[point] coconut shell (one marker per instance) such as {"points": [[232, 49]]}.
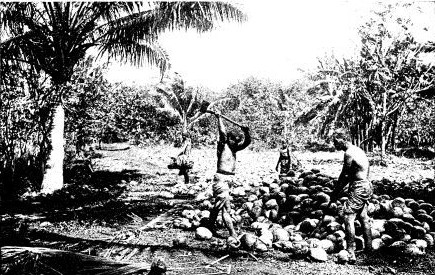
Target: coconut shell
{"points": [[318, 254], [343, 257], [300, 248], [412, 250], [203, 233], [429, 240], [398, 202], [327, 245], [424, 218], [426, 207], [418, 232], [387, 239], [280, 234], [413, 205], [377, 244], [248, 241]]}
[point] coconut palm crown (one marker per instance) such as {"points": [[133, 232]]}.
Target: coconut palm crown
{"points": [[52, 37]]}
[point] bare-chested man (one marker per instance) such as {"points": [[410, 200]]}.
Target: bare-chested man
{"points": [[228, 145], [355, 172]]}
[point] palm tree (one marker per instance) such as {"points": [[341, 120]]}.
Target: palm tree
{"points": [[53, 37]]}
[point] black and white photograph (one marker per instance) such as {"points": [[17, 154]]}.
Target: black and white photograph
{"points": [[209, 138]]}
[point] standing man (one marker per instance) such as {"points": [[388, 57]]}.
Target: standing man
{"points": [[228, 145], [355, 172], [183, 161], [184, 157]]}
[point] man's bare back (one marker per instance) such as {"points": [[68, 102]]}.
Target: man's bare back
{"points": [[356, 164]]}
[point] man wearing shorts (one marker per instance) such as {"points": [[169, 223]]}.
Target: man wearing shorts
{"points": [[355, 172], [229, 144]]}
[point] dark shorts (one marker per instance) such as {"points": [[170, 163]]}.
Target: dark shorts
{"points": [[359, 194]]}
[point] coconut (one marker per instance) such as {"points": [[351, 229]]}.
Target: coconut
{"points": [[413, 205], [300, 248], [421, 244], [406, 238], [260, 246], [339, 235], [398, 202], [252, 198], [420, 211], [295, 237], [313, 242], [258, 203], [429, 240], [238, 192], [343, 257], [375, 233], [332, 238], [203, 233], [333, 226], [307, 225], [387, 239], [259, 226], [271, 204], [280, 234], [397, 212], [377, 244], [248, 241], [398, 247], [266, 237], [426, 206], [233, 243], [326, 245], [424, 218], [418, 232], [318, 254], [188, 214], [412, 250]]}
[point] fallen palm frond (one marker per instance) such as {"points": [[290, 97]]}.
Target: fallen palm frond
{"points": [[41, 260]]}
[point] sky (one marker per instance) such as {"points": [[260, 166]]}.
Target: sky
{"points": [[279, 39]]}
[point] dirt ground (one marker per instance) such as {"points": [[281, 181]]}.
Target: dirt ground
{"points": [[125, 198]]}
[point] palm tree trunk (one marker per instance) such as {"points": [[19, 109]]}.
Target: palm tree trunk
{"points": [[53, 176]]}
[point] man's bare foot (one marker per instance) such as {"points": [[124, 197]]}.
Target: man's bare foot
{"points": [[352, 257]]}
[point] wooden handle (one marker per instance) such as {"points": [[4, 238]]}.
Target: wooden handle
{"points": [[227, 118]]}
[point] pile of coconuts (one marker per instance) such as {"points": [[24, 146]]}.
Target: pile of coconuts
{"points": [[282, 214]]}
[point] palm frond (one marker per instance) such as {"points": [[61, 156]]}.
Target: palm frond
{"points": [[41, 260]]}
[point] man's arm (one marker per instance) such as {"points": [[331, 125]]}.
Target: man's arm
{"points": [[279, 160], [246, 139], [221, 128], [344, 176]]}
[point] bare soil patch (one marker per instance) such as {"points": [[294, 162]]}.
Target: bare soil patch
{"points": [[124, 195]]}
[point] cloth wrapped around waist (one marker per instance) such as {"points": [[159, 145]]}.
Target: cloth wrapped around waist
{"points": [[359, 193], [182, 161]]}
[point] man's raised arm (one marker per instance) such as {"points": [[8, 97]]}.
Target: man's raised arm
{"points": [[246, 139]]}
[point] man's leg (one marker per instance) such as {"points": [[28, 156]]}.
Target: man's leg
{"points": [[367, 231], [185, 173], [226, 217], [349, 222]]}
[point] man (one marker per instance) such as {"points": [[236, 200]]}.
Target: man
{"points": [[355, 172], [228, 145], [183, 161], [285, 163]]}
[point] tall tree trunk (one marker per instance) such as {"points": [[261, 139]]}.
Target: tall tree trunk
{"points": [[383, 123], [53, 176]]}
